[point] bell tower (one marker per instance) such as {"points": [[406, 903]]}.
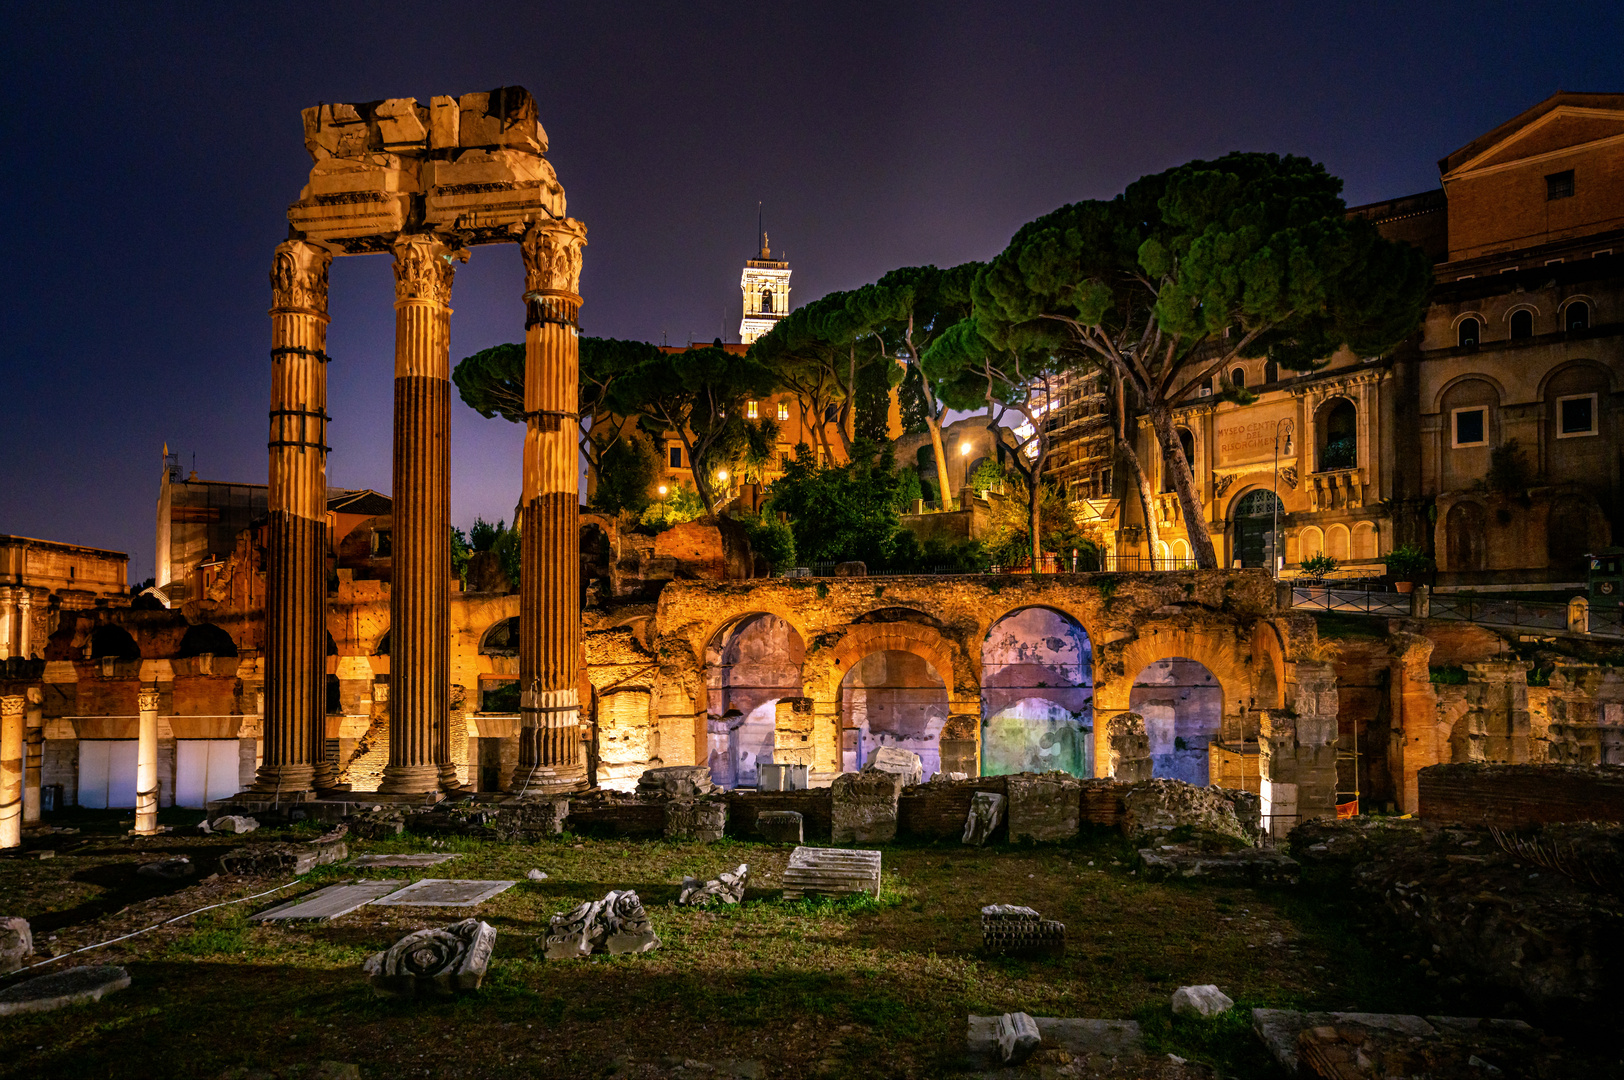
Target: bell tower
{"points": [[765, 284]]}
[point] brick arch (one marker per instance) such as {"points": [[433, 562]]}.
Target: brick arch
{"points": [[861, 639], [700, 642], [1221, 651], [984, 628]]}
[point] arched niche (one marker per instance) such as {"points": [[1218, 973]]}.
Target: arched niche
{"points": [[1183, 706], [501, 638], [115, 642], [751, 664], [896, 699], [205, 639], [1037, 695]]}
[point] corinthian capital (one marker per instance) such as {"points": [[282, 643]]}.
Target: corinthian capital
{"points": [[146, 701], [552, 256], [299, 275], [423, 267]]}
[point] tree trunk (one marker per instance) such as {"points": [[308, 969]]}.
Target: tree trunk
{"points": [[1195, 520], [1147, 498], [1034, 493], [935, 427]]}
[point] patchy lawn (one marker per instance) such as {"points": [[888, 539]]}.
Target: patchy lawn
{"points": [[870, 988]]}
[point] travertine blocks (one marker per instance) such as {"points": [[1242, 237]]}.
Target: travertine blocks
{"points": [[864, 807]]}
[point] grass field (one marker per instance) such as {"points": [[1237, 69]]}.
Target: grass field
{"points": [[859, 987]]}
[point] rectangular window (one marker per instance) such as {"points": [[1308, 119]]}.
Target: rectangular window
{"points": [[783, 411], [676, 457], [750, 409], [1575, 416], [1559, 185], [1471, 427]]}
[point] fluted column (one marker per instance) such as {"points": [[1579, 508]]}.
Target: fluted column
{"points": [[11, 770], [296, 556], [420, 561], [6, 609], [146, 763], [25, 620], [550, 757], [33, 751]]}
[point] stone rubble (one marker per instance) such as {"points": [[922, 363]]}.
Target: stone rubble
{"points": [[437, 962], [1017, 1037], [780, 826], [904, 763], [986, 814], [676, 782], [277, 858], [16, 943], [697, 819], [537, 875], [726, 888], [1044, 807], [863, 807], [233, 823], [1129, 748], [1247, 866], [171, 869], [1158, 806], [1206, 1000], [616, 924]]}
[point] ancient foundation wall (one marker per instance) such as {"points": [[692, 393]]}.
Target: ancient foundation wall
{"points": [[1511, 796]]}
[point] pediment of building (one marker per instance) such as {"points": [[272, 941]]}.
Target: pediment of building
{"points": [[1562, 129]]}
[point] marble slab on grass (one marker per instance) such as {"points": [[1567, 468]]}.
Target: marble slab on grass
{"points": [[361, 861], [46, 992], [445, 892], [1104, 1039], [331, 902]]}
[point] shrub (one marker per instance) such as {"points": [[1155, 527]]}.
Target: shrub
{"points": [[1319, 565]]}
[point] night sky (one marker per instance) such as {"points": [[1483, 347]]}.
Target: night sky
{"points": [[151, 153]]}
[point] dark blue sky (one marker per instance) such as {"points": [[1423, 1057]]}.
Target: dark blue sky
{"points": [[152, 150]]}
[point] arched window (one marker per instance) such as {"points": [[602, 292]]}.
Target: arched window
{"points": [[1364, 540], [1337, 428], [1471, 332], [767, 301], [1271, 372], [1522, 324], [1311, 542], [1576, 316], [206, 638], [1237, 378], [1181, 556], [1187, 443]]}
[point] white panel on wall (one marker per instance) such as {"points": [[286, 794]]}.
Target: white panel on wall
{"points": [[107, 774], [205, 769]]}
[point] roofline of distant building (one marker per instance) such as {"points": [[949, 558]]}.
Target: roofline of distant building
{"points": [[4, 537]]}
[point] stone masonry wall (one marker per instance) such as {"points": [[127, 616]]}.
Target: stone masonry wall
{"points": [[1511, 796]]}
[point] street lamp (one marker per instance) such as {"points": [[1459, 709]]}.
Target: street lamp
{"points": [[662, 502], [1274, 537]]}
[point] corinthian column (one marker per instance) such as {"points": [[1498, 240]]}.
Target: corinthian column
{"points": [[550, 546], [146, 763], [296, 554], [420, 563]]}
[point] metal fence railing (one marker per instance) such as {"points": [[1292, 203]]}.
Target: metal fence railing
{"points": [[1523, 614], [1360, 601]]}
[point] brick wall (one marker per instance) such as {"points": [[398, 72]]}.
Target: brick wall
{"points": [[1509, 796], [814, 806], [938, 810]]}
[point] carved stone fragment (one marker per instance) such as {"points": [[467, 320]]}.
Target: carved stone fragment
{"points": [[986, 813], [436, 962], [864, 807], [16, 943], [1017, 1037], [1130, 748], [726, 888], [616, 924], [1011, 930], [695, 820], [676, 782]]}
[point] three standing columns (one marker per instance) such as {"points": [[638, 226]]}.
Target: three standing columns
{"points": [[550, 758], [296, 572], [420, 563]]}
